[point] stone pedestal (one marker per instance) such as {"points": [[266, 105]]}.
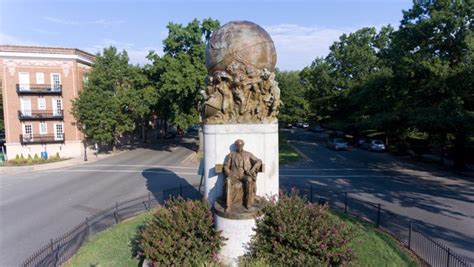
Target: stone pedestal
{"points": [[260, 139], [238, 233]]}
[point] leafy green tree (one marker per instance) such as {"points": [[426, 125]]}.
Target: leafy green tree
{"points": [[432, 59], [295, 106], [115, 97], [179, 74]]}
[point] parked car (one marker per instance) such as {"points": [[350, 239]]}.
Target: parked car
{"points": [[305, 125], [194, 128], [338, 144], [373, 145], [288, 125], [318, 129]]}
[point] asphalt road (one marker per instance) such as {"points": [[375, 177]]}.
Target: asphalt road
{"points": [[440, 202], [35, 207]]}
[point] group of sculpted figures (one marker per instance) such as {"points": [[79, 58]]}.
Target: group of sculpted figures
{"points": [[241, 94]]}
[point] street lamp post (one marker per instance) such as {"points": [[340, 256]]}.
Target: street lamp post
{"points": [[84, 142]]}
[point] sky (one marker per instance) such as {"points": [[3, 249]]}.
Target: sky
{"points": [[301, 30]]}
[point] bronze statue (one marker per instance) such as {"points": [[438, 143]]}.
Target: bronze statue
{"points": [[241, 86], [240, 172]]}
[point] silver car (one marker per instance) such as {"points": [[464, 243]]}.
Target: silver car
{"points": [[374, 145], [338, 144]]}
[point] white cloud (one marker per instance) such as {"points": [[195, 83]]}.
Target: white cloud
{"points": [[137, 54], [13, 40], [61, 21], [297, 46], [101, 22], [45, 32]]}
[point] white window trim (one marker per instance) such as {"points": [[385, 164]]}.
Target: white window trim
{"points": [[24, 86], [38, 81], [25, 136], [42, 100], [55, 107], [45, 127], [55, 132], [25, 110], [52, 81]]}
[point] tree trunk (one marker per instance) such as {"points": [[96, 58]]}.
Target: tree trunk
{"points": [[459, 148]]}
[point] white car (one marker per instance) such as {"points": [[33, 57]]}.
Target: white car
{"points": [[373, 145]]}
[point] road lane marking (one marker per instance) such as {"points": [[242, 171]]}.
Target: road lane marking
{"points": [[300, 152], [193, 173], [125, 171], [134, 165], [344, 176]]}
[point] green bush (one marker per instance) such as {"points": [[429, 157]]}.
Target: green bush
{"points": [[180, 234], [296, 233]]}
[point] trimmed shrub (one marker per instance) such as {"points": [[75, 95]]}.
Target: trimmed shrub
{"points": [[296, 233], [180, 234]]}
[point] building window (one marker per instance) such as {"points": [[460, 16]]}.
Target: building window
{"points": [[43, 128], [39, 78], [58, 132], [41, 103], [24, 81], [56, 81], [57, 106], [27, 132]]}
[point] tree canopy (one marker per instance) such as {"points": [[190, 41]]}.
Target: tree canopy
{"points": [[178, 75], [115, 97]]}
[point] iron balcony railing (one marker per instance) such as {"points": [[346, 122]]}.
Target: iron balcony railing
{"points": [[40, 114], [41, 138], [31, 89]]}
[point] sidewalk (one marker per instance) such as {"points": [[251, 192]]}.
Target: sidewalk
{"points": [[4, 170]]}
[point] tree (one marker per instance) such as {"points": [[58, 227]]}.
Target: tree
{"points": [[340, 85], [179, 74], [432, 59], [115, 97], [295, 106]]}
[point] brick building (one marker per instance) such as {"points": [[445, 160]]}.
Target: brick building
{"points": [[38, 84]]}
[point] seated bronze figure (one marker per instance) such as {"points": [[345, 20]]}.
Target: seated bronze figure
{"points": [[240, 172]]}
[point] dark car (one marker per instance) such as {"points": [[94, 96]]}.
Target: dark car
{"points": [[288, 125]]}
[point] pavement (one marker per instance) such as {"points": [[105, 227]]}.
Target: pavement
{"points": [[439, 201], [6, 170], [36, 206], [39, 205]]}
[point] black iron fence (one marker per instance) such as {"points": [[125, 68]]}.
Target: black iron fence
{"points": [[403, 229], [62, 248]]}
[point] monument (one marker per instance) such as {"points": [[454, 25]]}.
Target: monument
{"points": [[241, 106]]}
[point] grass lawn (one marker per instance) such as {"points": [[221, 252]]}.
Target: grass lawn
{"points": [[374, 247], [113, 246], [287, 154]]}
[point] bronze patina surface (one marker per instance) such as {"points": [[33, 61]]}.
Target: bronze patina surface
{"points": [[241, 86], [240, 185]]}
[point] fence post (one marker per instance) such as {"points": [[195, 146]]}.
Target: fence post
{"points": [[116, 213], [345, 202], [51, 248], [87, 228], [449, 257], [409, 234], [378, 215], [311, 192], [149, 200]]}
